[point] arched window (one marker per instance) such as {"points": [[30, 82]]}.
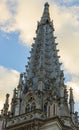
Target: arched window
{"points": [[45, 107], [33, 106], [54, 109], [48, 111], [27, 108]]}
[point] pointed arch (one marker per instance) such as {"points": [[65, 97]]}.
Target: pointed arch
{"points": [[27, 109], [33, 106], [45, 107]]}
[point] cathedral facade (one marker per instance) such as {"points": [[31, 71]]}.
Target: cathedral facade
{"points": [[40, 101]]}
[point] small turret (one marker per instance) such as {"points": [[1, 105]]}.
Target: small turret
{"points": [[20, 87], [71, 102], [20, 81], [13, 103], [6, 105], [16, 101]]}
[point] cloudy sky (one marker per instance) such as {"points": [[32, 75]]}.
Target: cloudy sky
{"points": [[18, 22]]}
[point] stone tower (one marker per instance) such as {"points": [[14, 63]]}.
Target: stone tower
{"points": [[40, 101]]}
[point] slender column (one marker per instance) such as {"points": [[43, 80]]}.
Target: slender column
{"points": [[6, 105], [71, 102]]}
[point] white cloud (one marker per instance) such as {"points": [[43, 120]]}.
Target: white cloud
{"points": [[4, 12], [8, 81], [67, 30], [28, 13], [25, 20], [66, 2]]}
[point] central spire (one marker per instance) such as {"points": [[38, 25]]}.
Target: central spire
{"points": [[43, 71]]}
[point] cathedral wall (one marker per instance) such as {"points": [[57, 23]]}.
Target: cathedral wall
{"points": [[17, 110], [1, 124], [51, 126]]}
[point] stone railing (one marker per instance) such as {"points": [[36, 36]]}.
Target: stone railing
{"points": [[25, 117]]}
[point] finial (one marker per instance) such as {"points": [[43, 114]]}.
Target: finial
{"points": [[46, 8], [71, 94], [7, 98], [14, 94], [46, 15], [21, 75], [20, 80], [7, 95], [46, 4]]}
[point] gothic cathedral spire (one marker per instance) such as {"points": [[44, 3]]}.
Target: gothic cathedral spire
{"points": [[41, 96]]}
